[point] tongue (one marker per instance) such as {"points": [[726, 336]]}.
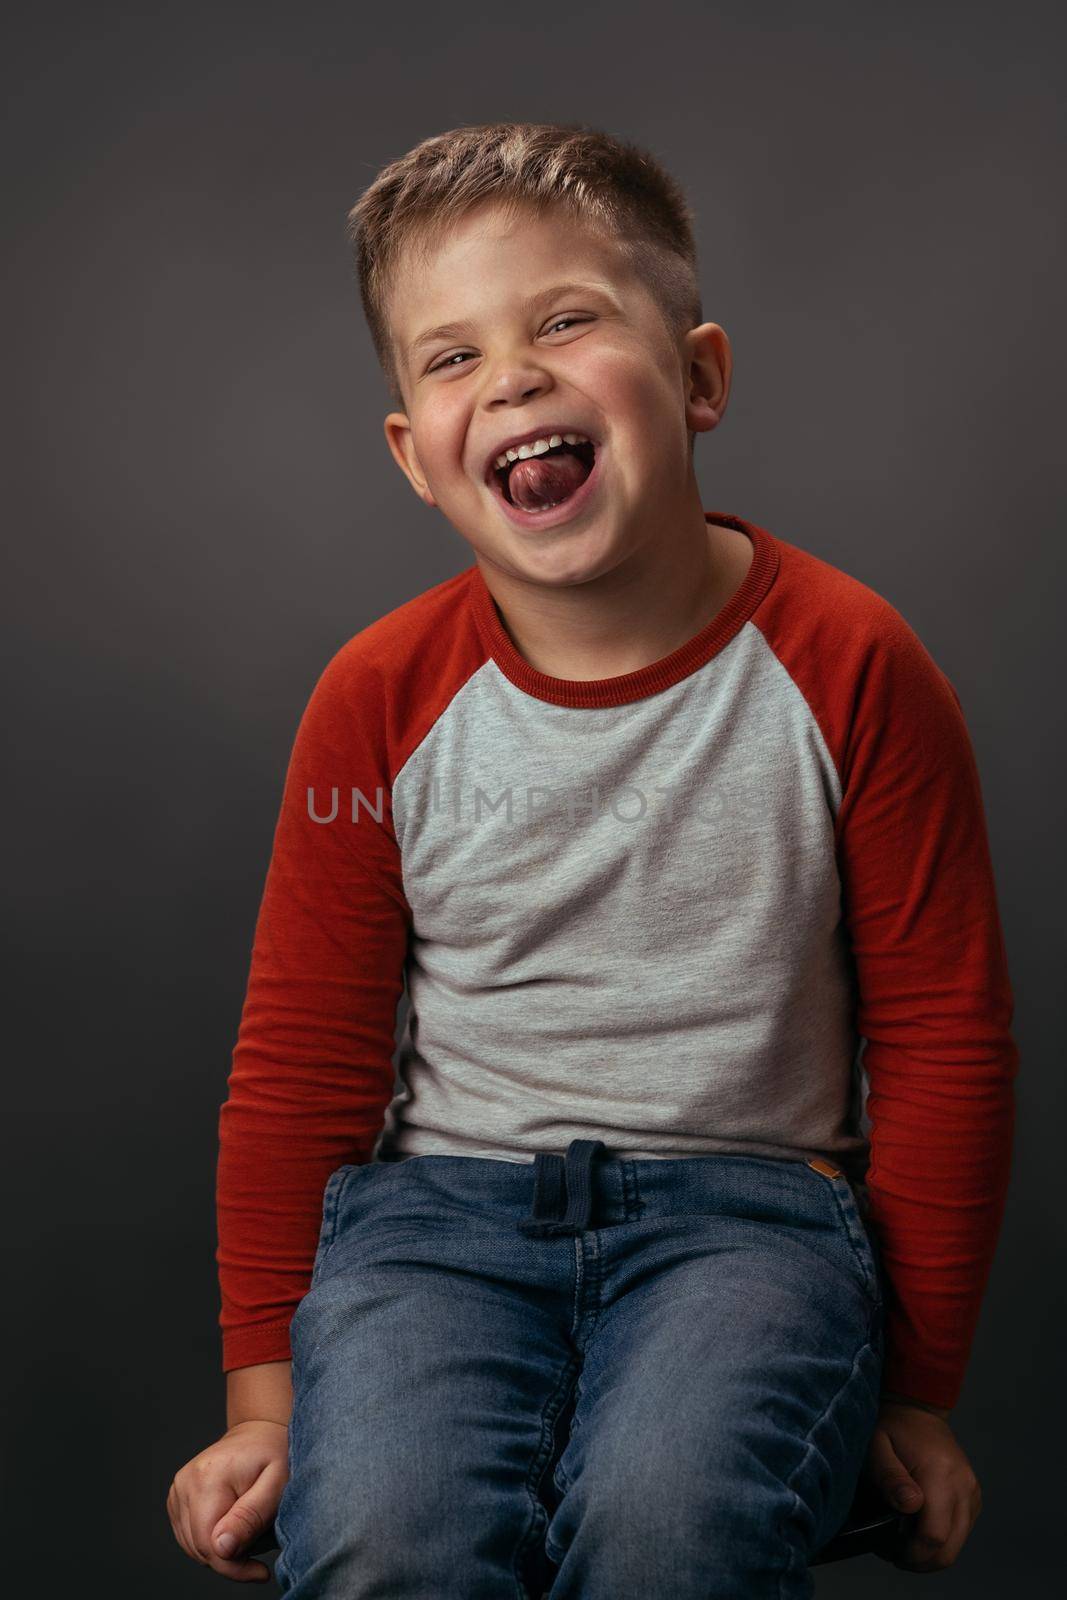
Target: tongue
{"points": [[540, 481]]}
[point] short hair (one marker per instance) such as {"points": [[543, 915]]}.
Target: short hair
{"points": [[609, 184]]}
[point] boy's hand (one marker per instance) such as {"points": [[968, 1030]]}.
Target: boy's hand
{"points": [[232, 1488], [917, 1464]]}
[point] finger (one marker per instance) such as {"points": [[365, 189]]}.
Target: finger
{"points": [[962, 1523], [929, 1534], [890, 1476], [238, 1567], [174, 1512], [187, 1529], [966, 1508], [210, 1502], [240, 1523], [241, 1570]]}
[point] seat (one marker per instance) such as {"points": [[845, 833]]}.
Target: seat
{"points": [[871, 1528]]}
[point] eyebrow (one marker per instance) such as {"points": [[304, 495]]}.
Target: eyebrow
{"points": [[452, 330]]}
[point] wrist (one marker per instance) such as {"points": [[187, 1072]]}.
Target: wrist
{"points": [[889, 1399], [259, 1393]]}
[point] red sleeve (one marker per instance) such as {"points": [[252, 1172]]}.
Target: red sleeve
{"points": [[312, 1071], [934, 1006]]}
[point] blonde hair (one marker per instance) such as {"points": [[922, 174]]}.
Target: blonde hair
{"points": [[606, 183]]}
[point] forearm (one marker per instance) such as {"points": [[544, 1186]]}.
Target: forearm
{"points": [[261, 1393]]}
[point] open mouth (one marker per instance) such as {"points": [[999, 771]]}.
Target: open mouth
{"points": [[543, 482]]}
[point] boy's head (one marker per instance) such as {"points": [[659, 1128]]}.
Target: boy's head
{"points": [[529, 280]]}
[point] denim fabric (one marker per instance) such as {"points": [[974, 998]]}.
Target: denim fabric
{"points": [[581, 1376]]}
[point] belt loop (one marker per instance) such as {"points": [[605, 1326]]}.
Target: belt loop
{"points": [[555, 1177], [579, 1178], [548, 1194]]}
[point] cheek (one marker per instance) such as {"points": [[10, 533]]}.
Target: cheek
{"points": [[630, 385], [440, 444]]}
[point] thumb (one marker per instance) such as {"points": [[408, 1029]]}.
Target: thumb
{"points": [[891, 1476], [244, 1521]]}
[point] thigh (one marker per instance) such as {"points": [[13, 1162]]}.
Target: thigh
{"points": [[426, 1384], [728, 1395]]}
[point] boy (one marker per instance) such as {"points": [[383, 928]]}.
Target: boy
{"points": [[662, 818]]}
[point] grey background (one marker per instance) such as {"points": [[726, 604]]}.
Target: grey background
{"points": [[200, 509]]}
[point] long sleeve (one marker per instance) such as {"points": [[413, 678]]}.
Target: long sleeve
{"points": [[312, 1071], [935, 1007]]}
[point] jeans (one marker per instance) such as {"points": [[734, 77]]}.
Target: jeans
{"points": [[581, 1377]]}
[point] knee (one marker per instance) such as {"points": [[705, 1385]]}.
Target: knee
{"points": [[399, 1522], [677, 1530], [347, 1546]]}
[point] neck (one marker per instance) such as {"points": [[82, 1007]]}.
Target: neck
{"points": [[645, 607]]}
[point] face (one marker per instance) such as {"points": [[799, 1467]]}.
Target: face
{"points": [[536, 328]]}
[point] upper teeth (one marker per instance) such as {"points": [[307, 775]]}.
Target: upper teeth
{"points": [[539, 446]]}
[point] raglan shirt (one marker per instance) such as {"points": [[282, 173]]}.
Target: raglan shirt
{"points": [[739, 901]]}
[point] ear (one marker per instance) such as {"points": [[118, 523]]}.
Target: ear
{"points": [[401, 444], [708, 366]]}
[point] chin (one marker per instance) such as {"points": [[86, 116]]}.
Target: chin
{"points": [[564, 562]]}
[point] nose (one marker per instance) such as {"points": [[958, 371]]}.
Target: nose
{"points": [[514, 382]]}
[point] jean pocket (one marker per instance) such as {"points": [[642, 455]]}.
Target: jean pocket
{"points": [[334, 1209], [331, 1199], [858, 1235]]}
